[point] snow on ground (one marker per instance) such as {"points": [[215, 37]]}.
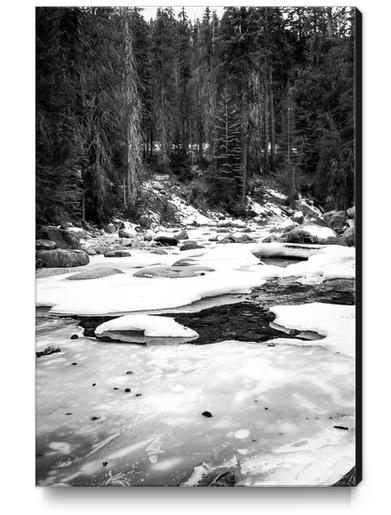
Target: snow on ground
{"points": [[152, 326], [236, 270], [335, 322], [330, 262], [188, 214]]}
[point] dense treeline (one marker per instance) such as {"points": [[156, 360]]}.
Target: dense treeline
{"points": [[260, 91]]}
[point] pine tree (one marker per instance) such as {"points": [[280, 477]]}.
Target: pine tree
{"points": [[226, 177]]}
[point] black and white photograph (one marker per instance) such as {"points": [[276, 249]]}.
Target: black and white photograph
{"points": [[198, 246]]}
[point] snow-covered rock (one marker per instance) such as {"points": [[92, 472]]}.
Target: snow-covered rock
{"points": [[333, 321], [152, 326]]}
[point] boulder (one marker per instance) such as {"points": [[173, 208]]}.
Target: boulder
{"points": [[117, 253], [351, 212], [191, 245], [62, 258], [64, 239], [299, 235], [166, 240], [298, 217], [45, 244], [181, 235], [236, 238], [145, 221], [110, 228], [238, 224], [148, 235], [336, 219], [173, 272], [94, 273], [159, 251], [127, 233], [349, 236], [307, 209], [66, 225]]}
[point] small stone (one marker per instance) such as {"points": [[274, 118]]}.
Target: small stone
{"points": [[69, 413], [130, 372], [105, 463], [266, 408], [138, 394], [74, 363], [74, 336], [115, 387], [127, 390], [93, 384], [342, 427], [271, 344], [207, 414], [95, 418]]}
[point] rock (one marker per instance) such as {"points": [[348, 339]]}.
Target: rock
{"points": [[74, 336], [62, 258], [166, 240], [207, 414], [173, 272], [64, 239], [47, 351], [127, 233], [110, 228], [45, 244], [66, 225], [298, 236], [94, 273], [351, 212], [224, 223], [298, 217], [285, 226], [160, 252], [271, 238], [149, 235], [336, 219], [238, 224], [117, 254], [145, 221], [181, 235], [349, 236], [191, 245], [307, 209], [236, 238]]}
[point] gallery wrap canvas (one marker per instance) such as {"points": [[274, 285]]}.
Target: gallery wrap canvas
{"points": [[198, 246]]}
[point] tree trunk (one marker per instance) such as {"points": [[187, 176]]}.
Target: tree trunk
{"points": [[330, 29], [272, 123], [244, 147], [266, 134]]}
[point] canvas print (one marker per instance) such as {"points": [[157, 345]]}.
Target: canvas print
{"points": [[198, 207]]}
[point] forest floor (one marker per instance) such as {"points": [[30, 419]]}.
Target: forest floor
{"points": [[211, 352]]}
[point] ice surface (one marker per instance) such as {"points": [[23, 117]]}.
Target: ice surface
{"points": [[274, 411]]}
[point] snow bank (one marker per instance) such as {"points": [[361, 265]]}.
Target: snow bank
{"points": [[335, 322], [152, 326], [329, 262]]}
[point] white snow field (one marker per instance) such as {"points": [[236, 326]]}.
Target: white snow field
{"points": [[124, 414], [236, 270]]}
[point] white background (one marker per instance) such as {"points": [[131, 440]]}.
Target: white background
{"points": [[17, 313]]}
